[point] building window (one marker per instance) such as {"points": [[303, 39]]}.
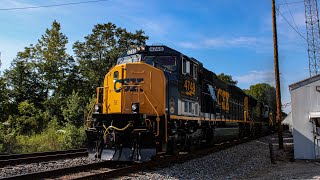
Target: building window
{"points": [[116, 75], [190, 68], [195, 71], [196, 108], [190, 107], [184, 66], [186, 106]]}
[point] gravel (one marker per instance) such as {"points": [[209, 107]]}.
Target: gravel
{"points": [[246, 161], [44, 166]]}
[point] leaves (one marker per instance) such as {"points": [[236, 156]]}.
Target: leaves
{"points": [[227, 78], [263, 92], [73, 111], [100, 50]]}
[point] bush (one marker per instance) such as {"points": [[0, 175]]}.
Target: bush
{"points": [[53, 138], [74, 137]]}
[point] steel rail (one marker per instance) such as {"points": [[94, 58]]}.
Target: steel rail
{"points": [[63, 171], [40, 157]]}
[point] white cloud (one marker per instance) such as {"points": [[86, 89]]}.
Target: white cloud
{"points": [[255, 77]]}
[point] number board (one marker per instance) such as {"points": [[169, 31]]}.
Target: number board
{"points": [[189, 87]]}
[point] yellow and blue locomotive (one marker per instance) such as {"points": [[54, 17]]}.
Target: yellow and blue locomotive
{"points": [[158, 100]]}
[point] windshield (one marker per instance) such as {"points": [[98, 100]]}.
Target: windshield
{"points": [[163, 62], [129, 59]]}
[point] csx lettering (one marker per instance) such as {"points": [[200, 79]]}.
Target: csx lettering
{"points": [[130, 84], [223, 99], [190, 87]]}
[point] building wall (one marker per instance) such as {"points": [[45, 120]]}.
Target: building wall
{"points": [[304, 99]]}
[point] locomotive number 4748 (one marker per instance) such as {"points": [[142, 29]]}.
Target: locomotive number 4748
{"points": [[190, 88]]}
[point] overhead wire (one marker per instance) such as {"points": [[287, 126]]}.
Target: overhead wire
{"points": [[292, 16], [52, 5], [278, 10], [295, 2]]}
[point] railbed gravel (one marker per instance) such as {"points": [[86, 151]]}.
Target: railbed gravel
{"points": [[44, 166], [250, 160]]}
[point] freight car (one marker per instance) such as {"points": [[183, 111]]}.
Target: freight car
{"points": [[158, 100]]}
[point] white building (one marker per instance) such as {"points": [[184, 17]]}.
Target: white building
{"points": [[305, 101]]}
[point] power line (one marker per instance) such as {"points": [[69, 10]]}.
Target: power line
{"points": [[51, 5], [295, 2], [291, 15], [290, 24]]}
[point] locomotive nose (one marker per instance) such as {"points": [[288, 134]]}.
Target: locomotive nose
{"points": [[126, 119]]}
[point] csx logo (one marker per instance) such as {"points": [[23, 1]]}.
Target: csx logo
{"points": [[128, 84]]}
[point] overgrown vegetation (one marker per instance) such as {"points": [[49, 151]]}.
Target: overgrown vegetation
{"points": [[46, 93]]}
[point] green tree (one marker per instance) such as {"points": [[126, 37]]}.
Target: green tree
{"points": [[4, 100], [73, 112], [265, 93], [51, 56], [98, 53], [30, 120], [24, 82], [227, 78]]}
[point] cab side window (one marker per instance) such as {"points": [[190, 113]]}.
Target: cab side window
{"points": [[116, 75], [189, 67]]}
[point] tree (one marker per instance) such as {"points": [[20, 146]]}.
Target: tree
{"points": [[74, 109], [265, 93], [24, 83], [98, 53], [4, 100], [30, 119], [227, 78], [51, 56]]}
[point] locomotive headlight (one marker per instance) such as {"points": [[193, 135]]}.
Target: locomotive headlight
{"points": [[135, 108], [97, 108]]}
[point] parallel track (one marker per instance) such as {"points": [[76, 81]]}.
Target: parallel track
{"points": [[111, 169], [14, 159]]}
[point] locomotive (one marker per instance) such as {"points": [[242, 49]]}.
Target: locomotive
{"points": [[158, 100]]}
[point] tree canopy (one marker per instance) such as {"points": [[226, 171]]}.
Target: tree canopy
{"points": [[100, 50], [227, 78], [263, 92]]}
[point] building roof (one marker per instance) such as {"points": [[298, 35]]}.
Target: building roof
{"points": [[304, 82]]}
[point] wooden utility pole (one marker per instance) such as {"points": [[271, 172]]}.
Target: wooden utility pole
{"points": [[276, 73]]}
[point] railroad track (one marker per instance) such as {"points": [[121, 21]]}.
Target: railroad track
{"points": [[15, 159], [111, 169]]}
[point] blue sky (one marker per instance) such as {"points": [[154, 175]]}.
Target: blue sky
{"points": [[229, 36]]}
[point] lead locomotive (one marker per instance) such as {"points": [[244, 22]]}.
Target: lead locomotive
{"points": [[158, 100]]}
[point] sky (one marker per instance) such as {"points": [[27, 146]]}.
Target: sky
{"points": [[230, 36]]}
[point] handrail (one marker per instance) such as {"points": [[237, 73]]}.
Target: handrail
{"points": [[157, 119], [97, 101]]}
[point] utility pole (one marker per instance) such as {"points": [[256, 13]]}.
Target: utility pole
{"points": [[276, 73]]}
